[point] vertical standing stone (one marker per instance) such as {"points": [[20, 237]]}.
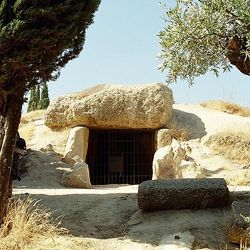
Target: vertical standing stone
{"points": [[163, 138], [77, 145]]}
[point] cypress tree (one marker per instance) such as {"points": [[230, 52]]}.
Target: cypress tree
{"points": [[35, 100], [38, 96], [44, 100], [32, 99], [37, 39]]}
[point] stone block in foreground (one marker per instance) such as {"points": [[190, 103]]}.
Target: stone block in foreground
{"points": [[183, 194], [239, 225]]}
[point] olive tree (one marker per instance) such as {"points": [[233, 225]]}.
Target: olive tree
{"points": [[37, 38], [205, 35]]}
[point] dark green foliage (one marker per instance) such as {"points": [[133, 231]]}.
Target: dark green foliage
{"points": [[33, 100], [44, 100], [38, 94], [38, 101], [37, 38]]}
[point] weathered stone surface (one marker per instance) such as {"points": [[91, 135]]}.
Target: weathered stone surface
{"points": [[78, 178], [163, 138], [239, 226], [174, 162], [183, 194], [163, 164], [77, 145], [171, 163], [111, 106], [189, 169], [179, 155]]}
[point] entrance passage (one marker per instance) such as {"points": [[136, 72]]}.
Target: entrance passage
{"points": [[120, 156]]}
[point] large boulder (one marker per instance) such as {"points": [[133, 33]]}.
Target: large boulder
{"points": [[112, 106], [174, 162]]}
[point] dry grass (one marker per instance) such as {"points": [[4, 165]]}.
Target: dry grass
{"points": [[179, 134], [27, 224], [239, 179], [234, 146], [227, 107]]}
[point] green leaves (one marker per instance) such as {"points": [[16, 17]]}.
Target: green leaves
{"points": [[197, 35], [37, 38]]}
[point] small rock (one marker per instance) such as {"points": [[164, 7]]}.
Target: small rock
{"points": [[78, 178], [48, 148], [180, 241]]}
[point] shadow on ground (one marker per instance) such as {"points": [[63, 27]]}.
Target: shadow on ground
{"points": [[100, 216], [192, 123], [116, 215]]}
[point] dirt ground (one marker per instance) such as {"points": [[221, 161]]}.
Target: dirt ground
{"points": [[107, 217]]}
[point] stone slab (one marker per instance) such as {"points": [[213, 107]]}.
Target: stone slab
{"points": [[107, 106], [183, 194]]}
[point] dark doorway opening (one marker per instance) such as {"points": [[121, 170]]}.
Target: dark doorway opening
{"points": [[120, 156]]}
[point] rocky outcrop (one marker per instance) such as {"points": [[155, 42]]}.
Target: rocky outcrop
{"points": [[239, 226], [189, 169], [174, 162], [77, 145], [112, 106], [183, 194], [78, 177], [163, 164]]}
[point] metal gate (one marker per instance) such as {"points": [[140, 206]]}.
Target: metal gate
{"points": [[120, 156]]}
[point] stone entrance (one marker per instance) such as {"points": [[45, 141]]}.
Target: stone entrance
{"points": [[120, 156], [114, 129]]}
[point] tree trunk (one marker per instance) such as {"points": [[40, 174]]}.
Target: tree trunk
{"points": [[236, 54], [3, 101], [10, 120]]}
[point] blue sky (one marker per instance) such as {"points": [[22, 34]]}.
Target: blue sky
{"points": [[121, 48]]}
